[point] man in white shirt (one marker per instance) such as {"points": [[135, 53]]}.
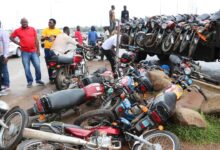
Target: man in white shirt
{"points": [[64, 42], [108, 48]]}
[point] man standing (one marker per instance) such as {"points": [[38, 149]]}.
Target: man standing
{"points": [[108, 48], [48, 36], [112, 19], [4, 45], [30, 51], [92, 37], [78, 35], [124, 15]]}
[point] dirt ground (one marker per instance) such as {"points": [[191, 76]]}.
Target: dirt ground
{"points": [[20, 95]]}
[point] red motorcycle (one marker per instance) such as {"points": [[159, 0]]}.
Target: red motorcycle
{"points": [[68, 70], [64, 136]]}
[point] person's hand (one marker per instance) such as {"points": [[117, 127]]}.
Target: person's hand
{"points": [[38, 53], [5, 60]]}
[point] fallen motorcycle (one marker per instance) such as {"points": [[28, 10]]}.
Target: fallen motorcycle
{"points": [[64, 136]]}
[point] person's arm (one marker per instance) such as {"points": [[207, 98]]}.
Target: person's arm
{"points": [[128, 16], [13, 36], [44, 36], [37, 45], [5, 47]]}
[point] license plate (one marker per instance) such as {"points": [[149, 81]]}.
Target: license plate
{"points": [[181, 37], [123, 65]]}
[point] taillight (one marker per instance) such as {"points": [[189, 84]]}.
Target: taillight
{"points": [[123, 60], [39, 106], [155, 116], [77, 59], [120, 109], [143, 89], [52, 64]]}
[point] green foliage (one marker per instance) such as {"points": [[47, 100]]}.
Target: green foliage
{"points": [[211, 134]]}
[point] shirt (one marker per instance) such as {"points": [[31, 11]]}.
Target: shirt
{"points": [[62, 43], [112, 16], [92, 37], [124, 16], [51, 33], [27, 37], [78, 35], [106, 35], [4, 43], [110, 42]]}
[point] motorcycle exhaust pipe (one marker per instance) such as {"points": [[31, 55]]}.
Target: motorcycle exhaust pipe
{"points": [[41, 135]]}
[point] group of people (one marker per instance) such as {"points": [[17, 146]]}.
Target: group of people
{"points": [[54, 42]]}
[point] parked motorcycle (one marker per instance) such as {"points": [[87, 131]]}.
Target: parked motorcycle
{"points": [[68, 70]]}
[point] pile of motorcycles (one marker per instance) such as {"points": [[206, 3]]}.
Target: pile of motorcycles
{"points": [[172, 34], [125, 116]]}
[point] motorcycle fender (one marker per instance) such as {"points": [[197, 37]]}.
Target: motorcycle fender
{"points": [[187, 37], [172, 39], [93, 90], [196, 40]]}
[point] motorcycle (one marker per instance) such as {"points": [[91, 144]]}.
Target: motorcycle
{"points": [[94, 51], [50, 107], [64, 136], [68, 70]]}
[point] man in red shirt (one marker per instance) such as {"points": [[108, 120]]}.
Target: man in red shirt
{"points": [[78, 35], [30, 51]]}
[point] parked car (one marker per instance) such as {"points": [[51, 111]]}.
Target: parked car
{"points": [[14, 50]]}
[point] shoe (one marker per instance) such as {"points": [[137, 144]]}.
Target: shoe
{"points": [[40, 83], [3, 93], [29, 85], [6, 88]]}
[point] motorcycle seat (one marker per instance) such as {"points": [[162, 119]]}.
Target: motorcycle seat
{"points": [[65, 99], [62, 59]]}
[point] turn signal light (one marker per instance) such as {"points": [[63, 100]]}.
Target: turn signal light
{"points": [[144, 109], [36, 97], [42, 117], [122, 96], [160, 127]]}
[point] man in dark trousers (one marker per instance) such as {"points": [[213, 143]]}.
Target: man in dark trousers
{"points": [[124, 15], [4, 45]]}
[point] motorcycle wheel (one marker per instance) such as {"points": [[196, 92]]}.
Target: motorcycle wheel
{"points": [[149, 40], [38, 145], [183, 44], [176, 43], [167, 44], [89, 55], [60, 80], [94, 118], [140, 38], [165, 140], [16, 120], [192, 48]]}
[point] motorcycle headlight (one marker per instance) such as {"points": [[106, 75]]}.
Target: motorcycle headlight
{"points": [[164, 26], [127, 27], [187, 71]]}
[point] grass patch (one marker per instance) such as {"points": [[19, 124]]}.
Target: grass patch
{"points": [[211, 134]]}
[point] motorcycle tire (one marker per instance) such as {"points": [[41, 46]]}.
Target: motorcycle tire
{"points": [[149, 40], [106, 115], [140, 38], [183, 44], [167, 47], [156, 137], [176, 43], [59, 80], [11, 120], [89, 56], [38, 144], [192, 48]]}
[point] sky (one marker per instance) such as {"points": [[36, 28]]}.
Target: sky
{"points": [[93, 12]]}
